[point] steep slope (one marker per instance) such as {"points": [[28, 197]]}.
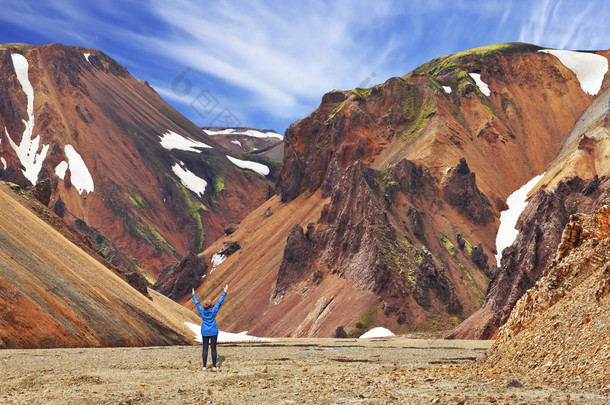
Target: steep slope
{"points": [[117, 156], [53, 294], [577, 181], [558, 331], [404, 185]]}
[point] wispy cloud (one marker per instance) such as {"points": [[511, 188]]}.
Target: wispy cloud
{"points": [[567, 25], [271, 62], [281, 55]]}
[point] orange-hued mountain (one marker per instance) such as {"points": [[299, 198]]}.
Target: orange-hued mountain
{"points": [[389, 199], [54, 294], [118, 158]]}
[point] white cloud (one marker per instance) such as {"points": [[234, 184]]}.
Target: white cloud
{"points": [[282, 55], [567, 25]]}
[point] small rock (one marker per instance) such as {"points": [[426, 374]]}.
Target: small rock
{"points": [[514, 383]]}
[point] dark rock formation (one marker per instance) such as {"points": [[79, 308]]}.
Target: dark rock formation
{"points": [[340, 333], [294, 264], [42, 191], [58, 207], [540, 232], [478, 257], [416, 223], [460, 190], [230, 248], [461, 242], [178, 279], [229, 229]]}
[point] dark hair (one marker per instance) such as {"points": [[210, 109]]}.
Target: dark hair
{"points": [[207, 304]]}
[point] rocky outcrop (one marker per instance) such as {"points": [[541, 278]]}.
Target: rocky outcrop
{"points": [[540, 232], [178, 279], [559, 327], [42, 192], [460, 190]]}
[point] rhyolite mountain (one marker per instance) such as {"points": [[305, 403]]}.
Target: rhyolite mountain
{"points": [[388, 202], [56, 291], [122, 165]]}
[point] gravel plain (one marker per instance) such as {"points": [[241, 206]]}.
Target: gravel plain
{"points": [[395, 370]]}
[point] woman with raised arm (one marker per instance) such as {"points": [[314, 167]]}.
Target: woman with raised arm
{"points": [[209, 329]]}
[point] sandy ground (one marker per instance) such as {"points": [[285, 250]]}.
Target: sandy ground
{"points": [[284, 371]]}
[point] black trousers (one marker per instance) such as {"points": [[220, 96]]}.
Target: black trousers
{"points": [[209, 341]]}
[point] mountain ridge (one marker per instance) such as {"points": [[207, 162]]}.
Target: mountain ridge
{"points": [[478, 123]]}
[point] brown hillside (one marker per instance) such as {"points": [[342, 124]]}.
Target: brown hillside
{"points": [[53, 294]]}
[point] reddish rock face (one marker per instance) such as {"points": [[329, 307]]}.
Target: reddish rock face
{"points": [[548, 212], [85, 100], [564, 318], [406, 230], [178, 279]]}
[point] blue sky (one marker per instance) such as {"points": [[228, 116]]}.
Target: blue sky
{"points": [[266, 64]]}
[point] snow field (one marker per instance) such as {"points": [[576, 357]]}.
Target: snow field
{"points": [[377, 333], [216, 260], [250, 132], [190, 180], [27, 150], [224, 337], [172, 140], [507, 233], [246, 164], [79, 173], [61, 168], [480, 83], [589, 68]]}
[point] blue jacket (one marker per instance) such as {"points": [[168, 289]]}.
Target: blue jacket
{"points": [[208, 316]]}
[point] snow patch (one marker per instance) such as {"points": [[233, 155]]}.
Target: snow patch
{"points": [[250, 132], [480, 83], [172, 140], [589, 68], [507, 233], [217, 259], [86, 55], [236, 142], [447, 89], [224, 337], [190, 180], [27, 150], [377, 333], [246, 164], [3, 160], [79, 173], [60, 169]]}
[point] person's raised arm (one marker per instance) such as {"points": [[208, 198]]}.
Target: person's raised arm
{"points": [[199, 308]]}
